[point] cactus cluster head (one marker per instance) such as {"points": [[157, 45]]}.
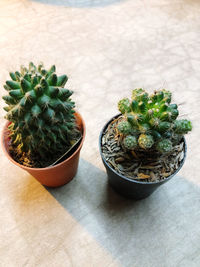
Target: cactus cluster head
{"points": [[150, 121], [40, 110]]}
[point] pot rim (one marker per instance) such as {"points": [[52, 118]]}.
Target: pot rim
{"points": [[48, 167], [129, 179]]}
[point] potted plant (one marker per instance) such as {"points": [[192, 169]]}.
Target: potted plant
{"points": [[143, 146], [44, 134]]}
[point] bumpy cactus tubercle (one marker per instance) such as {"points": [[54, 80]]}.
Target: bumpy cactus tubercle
{"points": [[130, 142]]}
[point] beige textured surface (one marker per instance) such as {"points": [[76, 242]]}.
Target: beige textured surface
{"points": [[107, 48]]}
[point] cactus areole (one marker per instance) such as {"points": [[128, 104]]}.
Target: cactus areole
{"points": [[143, 146], [41, 113]]}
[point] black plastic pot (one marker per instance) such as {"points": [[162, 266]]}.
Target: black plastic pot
{"points": [[126, 186]]}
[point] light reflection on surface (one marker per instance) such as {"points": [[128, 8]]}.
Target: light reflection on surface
{"points": [[79, 3]]}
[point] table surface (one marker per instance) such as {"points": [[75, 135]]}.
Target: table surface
{"points": [[107, 48]]}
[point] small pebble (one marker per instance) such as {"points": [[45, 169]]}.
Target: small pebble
{"points": [[143, 176], [120, 159], [152, 175]]}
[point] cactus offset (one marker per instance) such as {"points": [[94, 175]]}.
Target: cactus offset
{"points": [[150, 121], [40, 110], [130, 142]]}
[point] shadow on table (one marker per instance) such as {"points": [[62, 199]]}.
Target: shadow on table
{"points": [[118, 224], [88, 191], [79, 3]]}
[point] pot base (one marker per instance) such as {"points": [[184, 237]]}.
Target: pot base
{"points": [[130, 195]]}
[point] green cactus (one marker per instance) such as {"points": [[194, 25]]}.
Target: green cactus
{"points": [[145, 141], [151, 120], [164, 146], [40, 110], [182, 126], [124, 127], [130, 142], [124, 105]]}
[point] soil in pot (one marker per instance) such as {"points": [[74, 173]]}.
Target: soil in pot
{"points": [[137, 165]]}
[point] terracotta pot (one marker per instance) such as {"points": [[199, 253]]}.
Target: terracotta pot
{"points": [[53, 176], [128, 187]]}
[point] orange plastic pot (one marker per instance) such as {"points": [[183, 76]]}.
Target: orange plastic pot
{"points": [[53, 176]]}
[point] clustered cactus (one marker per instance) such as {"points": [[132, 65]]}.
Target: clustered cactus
{"points": [[150, 121], [40, 110]]}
